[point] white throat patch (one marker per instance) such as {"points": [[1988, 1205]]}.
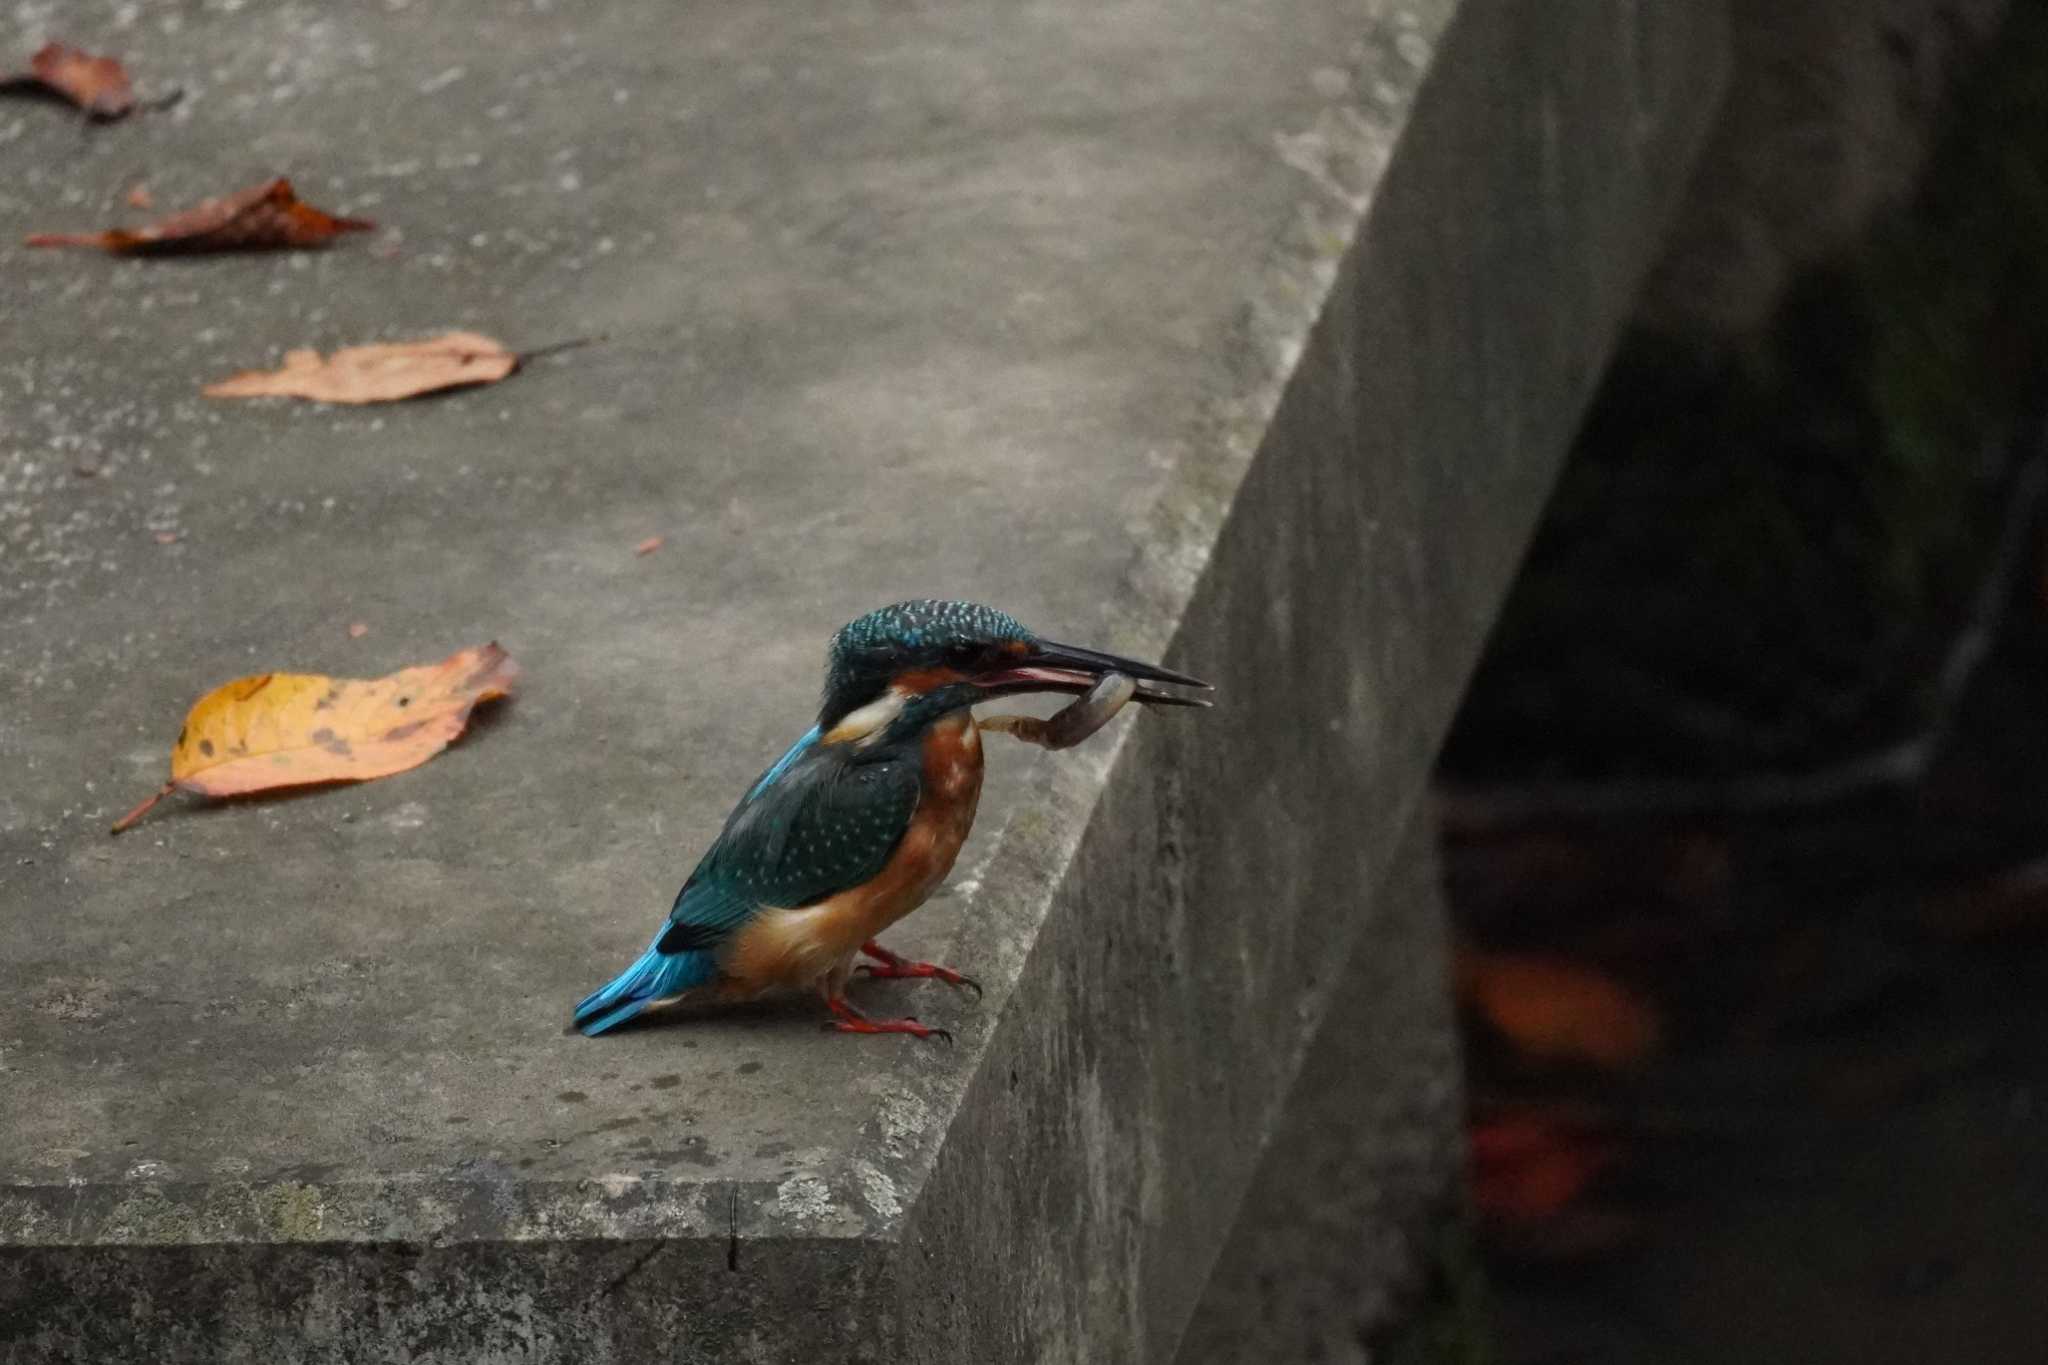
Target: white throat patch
{"points": [[866, 725]]}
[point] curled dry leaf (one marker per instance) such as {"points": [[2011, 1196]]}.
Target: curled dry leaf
{"points": [[1531, 1163], [294, 729], [98, 85], [262, 218], [1556, 1010], [377, 374]]}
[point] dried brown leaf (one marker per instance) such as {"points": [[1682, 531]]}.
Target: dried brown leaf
{"points": [[381, 373], [98, 85], [265, 217]]}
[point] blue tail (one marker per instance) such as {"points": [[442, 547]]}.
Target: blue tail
{"points": [[656, 976]]}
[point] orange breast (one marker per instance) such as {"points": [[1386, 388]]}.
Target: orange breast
{"points": [[797, 947]]}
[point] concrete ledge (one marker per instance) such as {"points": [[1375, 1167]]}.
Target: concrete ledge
{"points": [[1265, 327], [1365, 1160], [1379, 483]]}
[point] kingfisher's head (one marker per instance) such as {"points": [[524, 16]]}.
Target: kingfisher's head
{"points": [[909, 664]]}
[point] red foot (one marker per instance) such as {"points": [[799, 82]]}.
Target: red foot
{"points": [[894, 966], [851, 1020]]}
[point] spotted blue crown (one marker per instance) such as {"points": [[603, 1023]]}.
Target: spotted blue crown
{"points": [[867, 652], [927, 625]]}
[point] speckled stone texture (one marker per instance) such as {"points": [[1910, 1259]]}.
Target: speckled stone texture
{"points": [[1364, 1161], [1242, 336]]}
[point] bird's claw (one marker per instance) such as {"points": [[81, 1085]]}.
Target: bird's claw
{"points": [[905, 971], [889, 965], [851, 1020], [910, 1026]]}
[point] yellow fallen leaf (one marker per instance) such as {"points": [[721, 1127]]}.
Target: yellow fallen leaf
{"points": [[291, 729], [381, 373]]}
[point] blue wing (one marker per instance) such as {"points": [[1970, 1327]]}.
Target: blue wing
{"points": [[823, 826], [813, 825]]}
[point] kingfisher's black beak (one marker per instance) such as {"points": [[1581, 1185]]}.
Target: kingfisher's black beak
{"points": [[1051, 667]]}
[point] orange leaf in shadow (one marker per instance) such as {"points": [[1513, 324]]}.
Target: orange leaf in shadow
{"points": [[1531, 1164], [278, 730], [263, 218], [1557, 1010]]}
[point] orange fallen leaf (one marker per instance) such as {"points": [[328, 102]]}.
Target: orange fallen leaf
{"points": [[294, 729], [98, 85], [1554, 1009], [376, 374], [649, 545], [139, 197], [1531, 1163], [260, 218], [357, 630]]}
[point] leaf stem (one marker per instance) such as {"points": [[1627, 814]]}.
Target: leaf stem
{"points": [[552, 348], [143, 809]]}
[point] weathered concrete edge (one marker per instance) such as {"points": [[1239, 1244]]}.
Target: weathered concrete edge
{"points": [[622, 1269], [684, 1300], [1400, 410]]}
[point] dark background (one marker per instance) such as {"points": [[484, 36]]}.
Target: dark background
{"points": [[1744, 815]]}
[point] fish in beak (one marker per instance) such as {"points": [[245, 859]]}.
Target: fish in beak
{"points": [[1051, 667]]}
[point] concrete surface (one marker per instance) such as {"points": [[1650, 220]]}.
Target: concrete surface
{"points": [[1366, 1158], [1118, 316]]}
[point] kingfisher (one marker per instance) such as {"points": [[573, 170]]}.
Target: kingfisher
{"points": [[860, 821]]}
